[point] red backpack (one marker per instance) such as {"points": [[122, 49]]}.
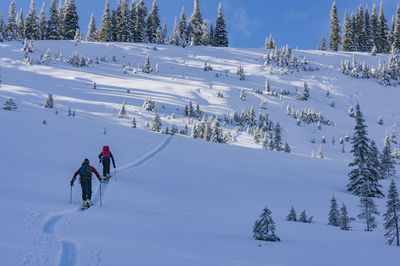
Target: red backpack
{"points": [[106, 151]]}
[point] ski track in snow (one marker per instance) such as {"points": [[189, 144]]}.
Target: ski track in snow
{"points": [[69, 250]]}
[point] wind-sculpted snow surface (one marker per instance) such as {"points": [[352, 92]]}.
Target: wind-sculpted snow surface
{"points": [[176, 200]]}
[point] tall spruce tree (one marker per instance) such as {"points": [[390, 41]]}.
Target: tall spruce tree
{"points": [[387, 161], [278, 145], [205, 38], [374, 161], [323, 43], [105, 30], [71, 20], [31, 23], [392, 215], [212, 35], [43, 22], [367, 206], [347, 41], [175, 34], [61, 15], [140, 25], [382, 44], [122, 30], [196, 25], [132, 20], [53, 24], [334, 37], [344, 218], [394, 62], [369, 38], [164, 33], [153, 23], [292, 215], [1, 26], [113, 25], [359, 32], [353, 32], [11, 29], [21, 26], [183, 29], [221, 35], [374, 25], [396, 32], [362, 173], [91, 35], [334, 214]]}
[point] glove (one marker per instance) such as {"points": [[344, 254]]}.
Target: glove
{"points": [[114, 166], [72, 183], [100, 161]]}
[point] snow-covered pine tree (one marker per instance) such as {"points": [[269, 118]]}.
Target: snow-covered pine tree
{"points": [[71, 20], [91, 35], [242, 95], [121, 27], [140, 25], [49, 102], [221, 35], [292, 215], [334, 37], [153, 23], [216, 131], [374, 161], [347, 38], [205, 38], [369, 38], [183, 29], [105, 30], [10, 105], [53, 24], [344, 220], [147, 66], [396, 32], [155, 124], [61, 15], [323, 43], [2, 28], [334, 215], [392, 215], [175, 38], [195, 133], [374, 27], [31, 23], [113, 23], [264, 228], [42, 22], [382, 42], [394, 62], [303, 217], [359, 32], [164, 33], [134, 122], [196, 25], [277, 138], [132, 20], [361, 174], [122, 112], [11, 28], [387, 160], [353, 32], [212, 35], [320, 153], [306, 92], [367, 206]]}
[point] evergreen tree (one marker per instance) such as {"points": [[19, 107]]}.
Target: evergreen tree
{"points": [[396, 32], [391, 35], [175, 34], [394, 62], [49, 102], [61, 15], [277, 138], [374, 27], [347, 41], [359, 32], [323, 43], [264, 228], [140, 25], [164, 34], [11, 29], [71, 20], [292, 215], [392, 215], [91, 35], [374, 161], [334, 37], [367, 206], [212, 35], [196, 25], [334, 215], [31, 23], [147, 66], [183, 29], [122, 112], [43, 22], [362, 174], [132, 20], [303, 217], [221, 35], [344, 219], [216, 131], [105, 30], [2, 30], [353, 32], [113, 24], [134, 122], [122, 30], [306, 92], [21, 26], [369, 38], [287, 148], [387, 161], [205, 38], [53, 24], [382, 43], [155, 124], [153, 23]]}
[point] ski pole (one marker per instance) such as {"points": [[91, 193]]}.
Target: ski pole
{"points": [[70, 196], [101, 202], [115, 174]]}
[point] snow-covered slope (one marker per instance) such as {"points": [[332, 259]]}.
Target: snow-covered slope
{"points": [[176, 200]]}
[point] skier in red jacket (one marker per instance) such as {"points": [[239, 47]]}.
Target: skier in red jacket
{"points": [[105, 157], [85, 172]]}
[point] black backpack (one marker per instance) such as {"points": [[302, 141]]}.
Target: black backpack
{"points": [[84, 171]]}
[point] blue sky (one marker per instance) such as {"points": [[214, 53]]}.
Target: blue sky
{"points": [[298, 23]]}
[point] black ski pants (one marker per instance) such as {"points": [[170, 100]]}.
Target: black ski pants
{"points": [[86, 183], [106, 166]]}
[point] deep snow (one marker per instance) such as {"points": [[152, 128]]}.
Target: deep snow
{"points": [[175, 200]]}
